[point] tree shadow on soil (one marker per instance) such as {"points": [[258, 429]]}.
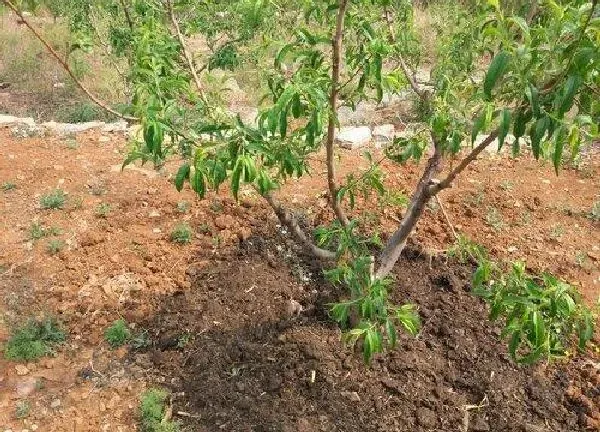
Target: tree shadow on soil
{"points": [[242, 362]]}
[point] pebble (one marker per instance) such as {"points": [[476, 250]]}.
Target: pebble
{"points": [[21, 370], [156, 230], [353, 396], [55, 403]]}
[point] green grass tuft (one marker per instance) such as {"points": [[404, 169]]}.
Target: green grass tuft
{"points": [[54, 200], [33, 340], [118, 334], [182, 234], [152, 412]]}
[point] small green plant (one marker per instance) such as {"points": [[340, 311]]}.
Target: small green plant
{"points": [[33, 340], [38, 231], [204, 228], [103, 210], [493, 218], [153, 405], [72, 144], [557, 231], [54, 200], [507, 185], [181, 234], [55, 246], [476, 198], [580, 258], [525, 218], [541, 314], [594, 213], [183, 206], [8, 186], [118, 334], [140, 340], [22, 409], [184, 339], [464, 249]]}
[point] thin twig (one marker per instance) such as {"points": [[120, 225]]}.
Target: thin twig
{"points": [[65, 66], [448, 221], [407, 72], [186, 53], [127, 16]]}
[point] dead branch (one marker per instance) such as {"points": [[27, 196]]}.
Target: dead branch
{"points": [[64, 65]]}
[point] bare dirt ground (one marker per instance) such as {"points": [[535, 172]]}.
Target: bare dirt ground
{"points": [[245, 362]]}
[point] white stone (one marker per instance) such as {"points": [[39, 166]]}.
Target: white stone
{"points": [[120, 126], [7, 120], [384, 134], [353, 137]]}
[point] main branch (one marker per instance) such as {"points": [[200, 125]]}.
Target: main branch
{"points": [[64, 65], [333, 97]]}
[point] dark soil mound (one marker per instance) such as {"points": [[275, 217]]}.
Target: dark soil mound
{"points": [[250, 362]]}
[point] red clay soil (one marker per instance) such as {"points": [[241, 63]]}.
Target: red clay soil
{"points": [[216, 310]]}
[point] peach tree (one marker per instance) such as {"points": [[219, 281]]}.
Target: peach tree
{"points": [[518, 74]]}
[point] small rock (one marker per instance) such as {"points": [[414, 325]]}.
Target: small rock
{"points": [[154, 214], [426, 417], [26, 387], [293, 308], [352, 138], [55, 403], [384, 134], [103, 139], [156, 230], [224, 222], [21, 370], [352, 396], [34, 427]]}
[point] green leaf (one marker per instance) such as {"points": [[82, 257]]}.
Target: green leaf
{"points": [[235, 178], [283, 122], [182, 175], [198, 184], [390, 329], [533, 96], [538, 130], [559, 143], [539, 328], [505, 122], [515, 341], [496, 70], [567, 96], [409, 318]]}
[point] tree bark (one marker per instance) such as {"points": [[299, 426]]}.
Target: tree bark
{"points": [[333, 98], [288, 220], [396, 244]]}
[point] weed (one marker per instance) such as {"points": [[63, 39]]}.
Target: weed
{"points": [[55, 246], [78, 203], [103, 209], [8, 186], [580, 258], [476, 198], [524, 218], [183, 340], [54, 200], [183, 206], [22, 409], [464, 249], [556, 232], [433, 206], [33, 340], [204, 229], [594, 213], [38, 231], [118, 334], [216, 206], [80, 113], [493, 218], [140, 340], [181, 234], [507, 185], [72, 144], [216, 241], [152, 412]]}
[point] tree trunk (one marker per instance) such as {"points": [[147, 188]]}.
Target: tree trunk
{"points": [[421, 197]]}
